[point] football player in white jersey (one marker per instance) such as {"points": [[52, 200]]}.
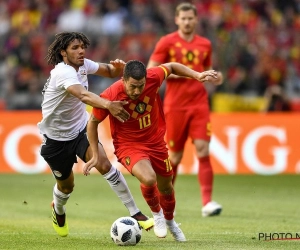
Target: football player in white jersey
{"points": [[63, 125]]}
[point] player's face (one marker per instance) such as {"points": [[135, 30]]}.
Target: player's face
{"points": [[186, 21], [74, 54], [134, 88]]}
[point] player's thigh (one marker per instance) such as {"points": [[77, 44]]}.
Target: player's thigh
{"points": [[177, 124], [160, 160], [85, 153], [130, 156], [59, 156], [200, 126]]}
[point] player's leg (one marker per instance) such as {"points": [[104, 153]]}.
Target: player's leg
{"points": [[205, 179], [175, 159], [205, 172], [200, 132], [142, 169], [118, 184], [167, 202], [60, 158], [164, 175], [176, 136], [61, 193]]}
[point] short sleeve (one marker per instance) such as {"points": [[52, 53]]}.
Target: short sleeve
{"points": [[158, 74], [160, 53], [91, 66], [67, 78]]}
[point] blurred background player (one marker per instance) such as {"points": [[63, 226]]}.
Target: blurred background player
{"points": [[187, 99], [139, 142], [64, 124]]}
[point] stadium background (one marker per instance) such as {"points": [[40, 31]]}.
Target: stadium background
{"points": [[256, 46]]}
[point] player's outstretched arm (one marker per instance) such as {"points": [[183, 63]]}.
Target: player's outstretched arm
{"points": [[113, 69], [87, 97], [92, 134], [182, 70]]}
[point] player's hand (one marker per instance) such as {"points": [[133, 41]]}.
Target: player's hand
{"points": [[210, 76], [117, 110], [89, 165], [118, 63]]}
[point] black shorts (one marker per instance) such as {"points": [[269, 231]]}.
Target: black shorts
{"points": [[61, 155]]}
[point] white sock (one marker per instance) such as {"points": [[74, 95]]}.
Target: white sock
{"points": [[119, 185], [60, 199], [170, 222], [160, 213]]}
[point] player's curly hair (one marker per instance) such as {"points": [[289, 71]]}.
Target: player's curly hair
{"points": [[61, 42], [134, 69]]}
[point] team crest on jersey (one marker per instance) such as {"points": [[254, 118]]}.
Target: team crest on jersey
{"points": [[190, 56], [127, 160], [140, 108], [83, 72]]}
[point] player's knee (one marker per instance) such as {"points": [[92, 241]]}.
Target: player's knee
{"points": [[202, 149], [175, 158], [149, 180], [67, 189], [103, 167]]}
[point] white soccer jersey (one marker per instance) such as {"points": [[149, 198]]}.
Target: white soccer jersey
{"points": [[64, 115]]}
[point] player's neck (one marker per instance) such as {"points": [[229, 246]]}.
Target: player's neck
{"points": [[187, 37]]}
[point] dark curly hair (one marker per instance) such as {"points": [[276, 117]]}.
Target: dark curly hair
{"points": [[61, 42], [134, 69]]}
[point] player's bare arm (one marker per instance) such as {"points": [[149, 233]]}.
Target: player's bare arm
{"points": [[182, 70], [92, 134], [218, 80], [113, 69], [87, 97]]}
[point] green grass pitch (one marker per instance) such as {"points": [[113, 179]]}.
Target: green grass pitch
{"points": [[251, 205]]}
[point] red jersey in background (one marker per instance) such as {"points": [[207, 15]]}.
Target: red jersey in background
{"points": [[183, 93]]}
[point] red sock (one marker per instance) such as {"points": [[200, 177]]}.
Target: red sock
{"points": [[205, 179], [175, 168], [151, 196], [167, 202]]}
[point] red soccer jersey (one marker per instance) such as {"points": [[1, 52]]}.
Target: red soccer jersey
{"points": [[183, 93], [146, 124]]}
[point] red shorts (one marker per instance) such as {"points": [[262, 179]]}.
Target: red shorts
{"points": [[128, 156], [181, 124]]}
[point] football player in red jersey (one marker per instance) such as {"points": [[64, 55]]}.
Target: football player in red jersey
{"points": [[139, 142], [186, 47]]}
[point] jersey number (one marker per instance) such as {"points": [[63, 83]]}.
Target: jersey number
{"points": [[145, 121], [168, 165]]}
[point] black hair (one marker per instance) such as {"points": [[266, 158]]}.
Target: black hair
{"points": [[134, 69], [61, 42]]}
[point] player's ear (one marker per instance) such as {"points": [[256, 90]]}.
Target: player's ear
{"points": [[176, 20], [63, 53]]}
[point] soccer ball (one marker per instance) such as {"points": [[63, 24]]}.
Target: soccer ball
{"points": [[126, 231]]}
